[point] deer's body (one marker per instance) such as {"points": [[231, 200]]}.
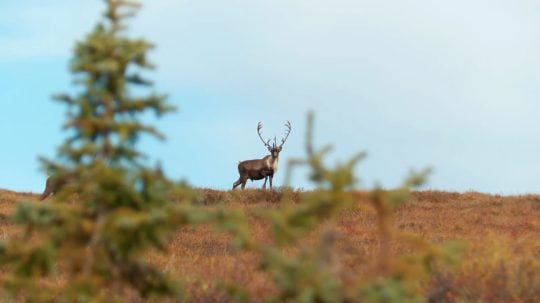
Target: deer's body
{"points": [[54, 184], [257, 169], [264, 168]]}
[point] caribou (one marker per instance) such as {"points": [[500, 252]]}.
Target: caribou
{"points": [[264, 168], [55, 183]]}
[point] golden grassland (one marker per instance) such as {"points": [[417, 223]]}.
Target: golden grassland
{"points": [[501, 261]]}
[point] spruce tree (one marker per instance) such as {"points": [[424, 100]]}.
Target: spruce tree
{"points": [[87, 242]]}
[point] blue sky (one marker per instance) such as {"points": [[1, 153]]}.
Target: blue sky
{"points": [[454, 85]]}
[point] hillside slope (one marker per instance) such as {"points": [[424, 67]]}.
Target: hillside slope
{"points": [[501, 262]]}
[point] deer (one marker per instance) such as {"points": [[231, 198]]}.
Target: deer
{"points": [[54, 184], [266, 167]]}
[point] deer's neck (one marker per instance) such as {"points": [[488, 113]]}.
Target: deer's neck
{"points": [[272, 162]]}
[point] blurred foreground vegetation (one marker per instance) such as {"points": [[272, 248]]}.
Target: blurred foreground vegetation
{"points": [[118, 231], [498, 264]]}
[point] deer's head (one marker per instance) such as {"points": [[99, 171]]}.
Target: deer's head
{"points": [[274, 149]]}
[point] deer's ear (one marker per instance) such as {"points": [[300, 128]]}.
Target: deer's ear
{"points": [[280, 148]]}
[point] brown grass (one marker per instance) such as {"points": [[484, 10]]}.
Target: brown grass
{"points": [[501, 262]]}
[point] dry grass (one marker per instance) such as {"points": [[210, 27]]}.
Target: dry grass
{"points": [[501, 262]]}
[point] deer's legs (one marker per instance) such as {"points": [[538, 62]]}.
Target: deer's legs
{"points": [[264, 185], [242, 180], [271, 177], [238, 182]]}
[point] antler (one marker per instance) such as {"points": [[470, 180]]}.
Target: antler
{"points": [[287, 132], [259, 127]]}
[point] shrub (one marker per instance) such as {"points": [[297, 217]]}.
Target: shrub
{"points": [[87, 242]]}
